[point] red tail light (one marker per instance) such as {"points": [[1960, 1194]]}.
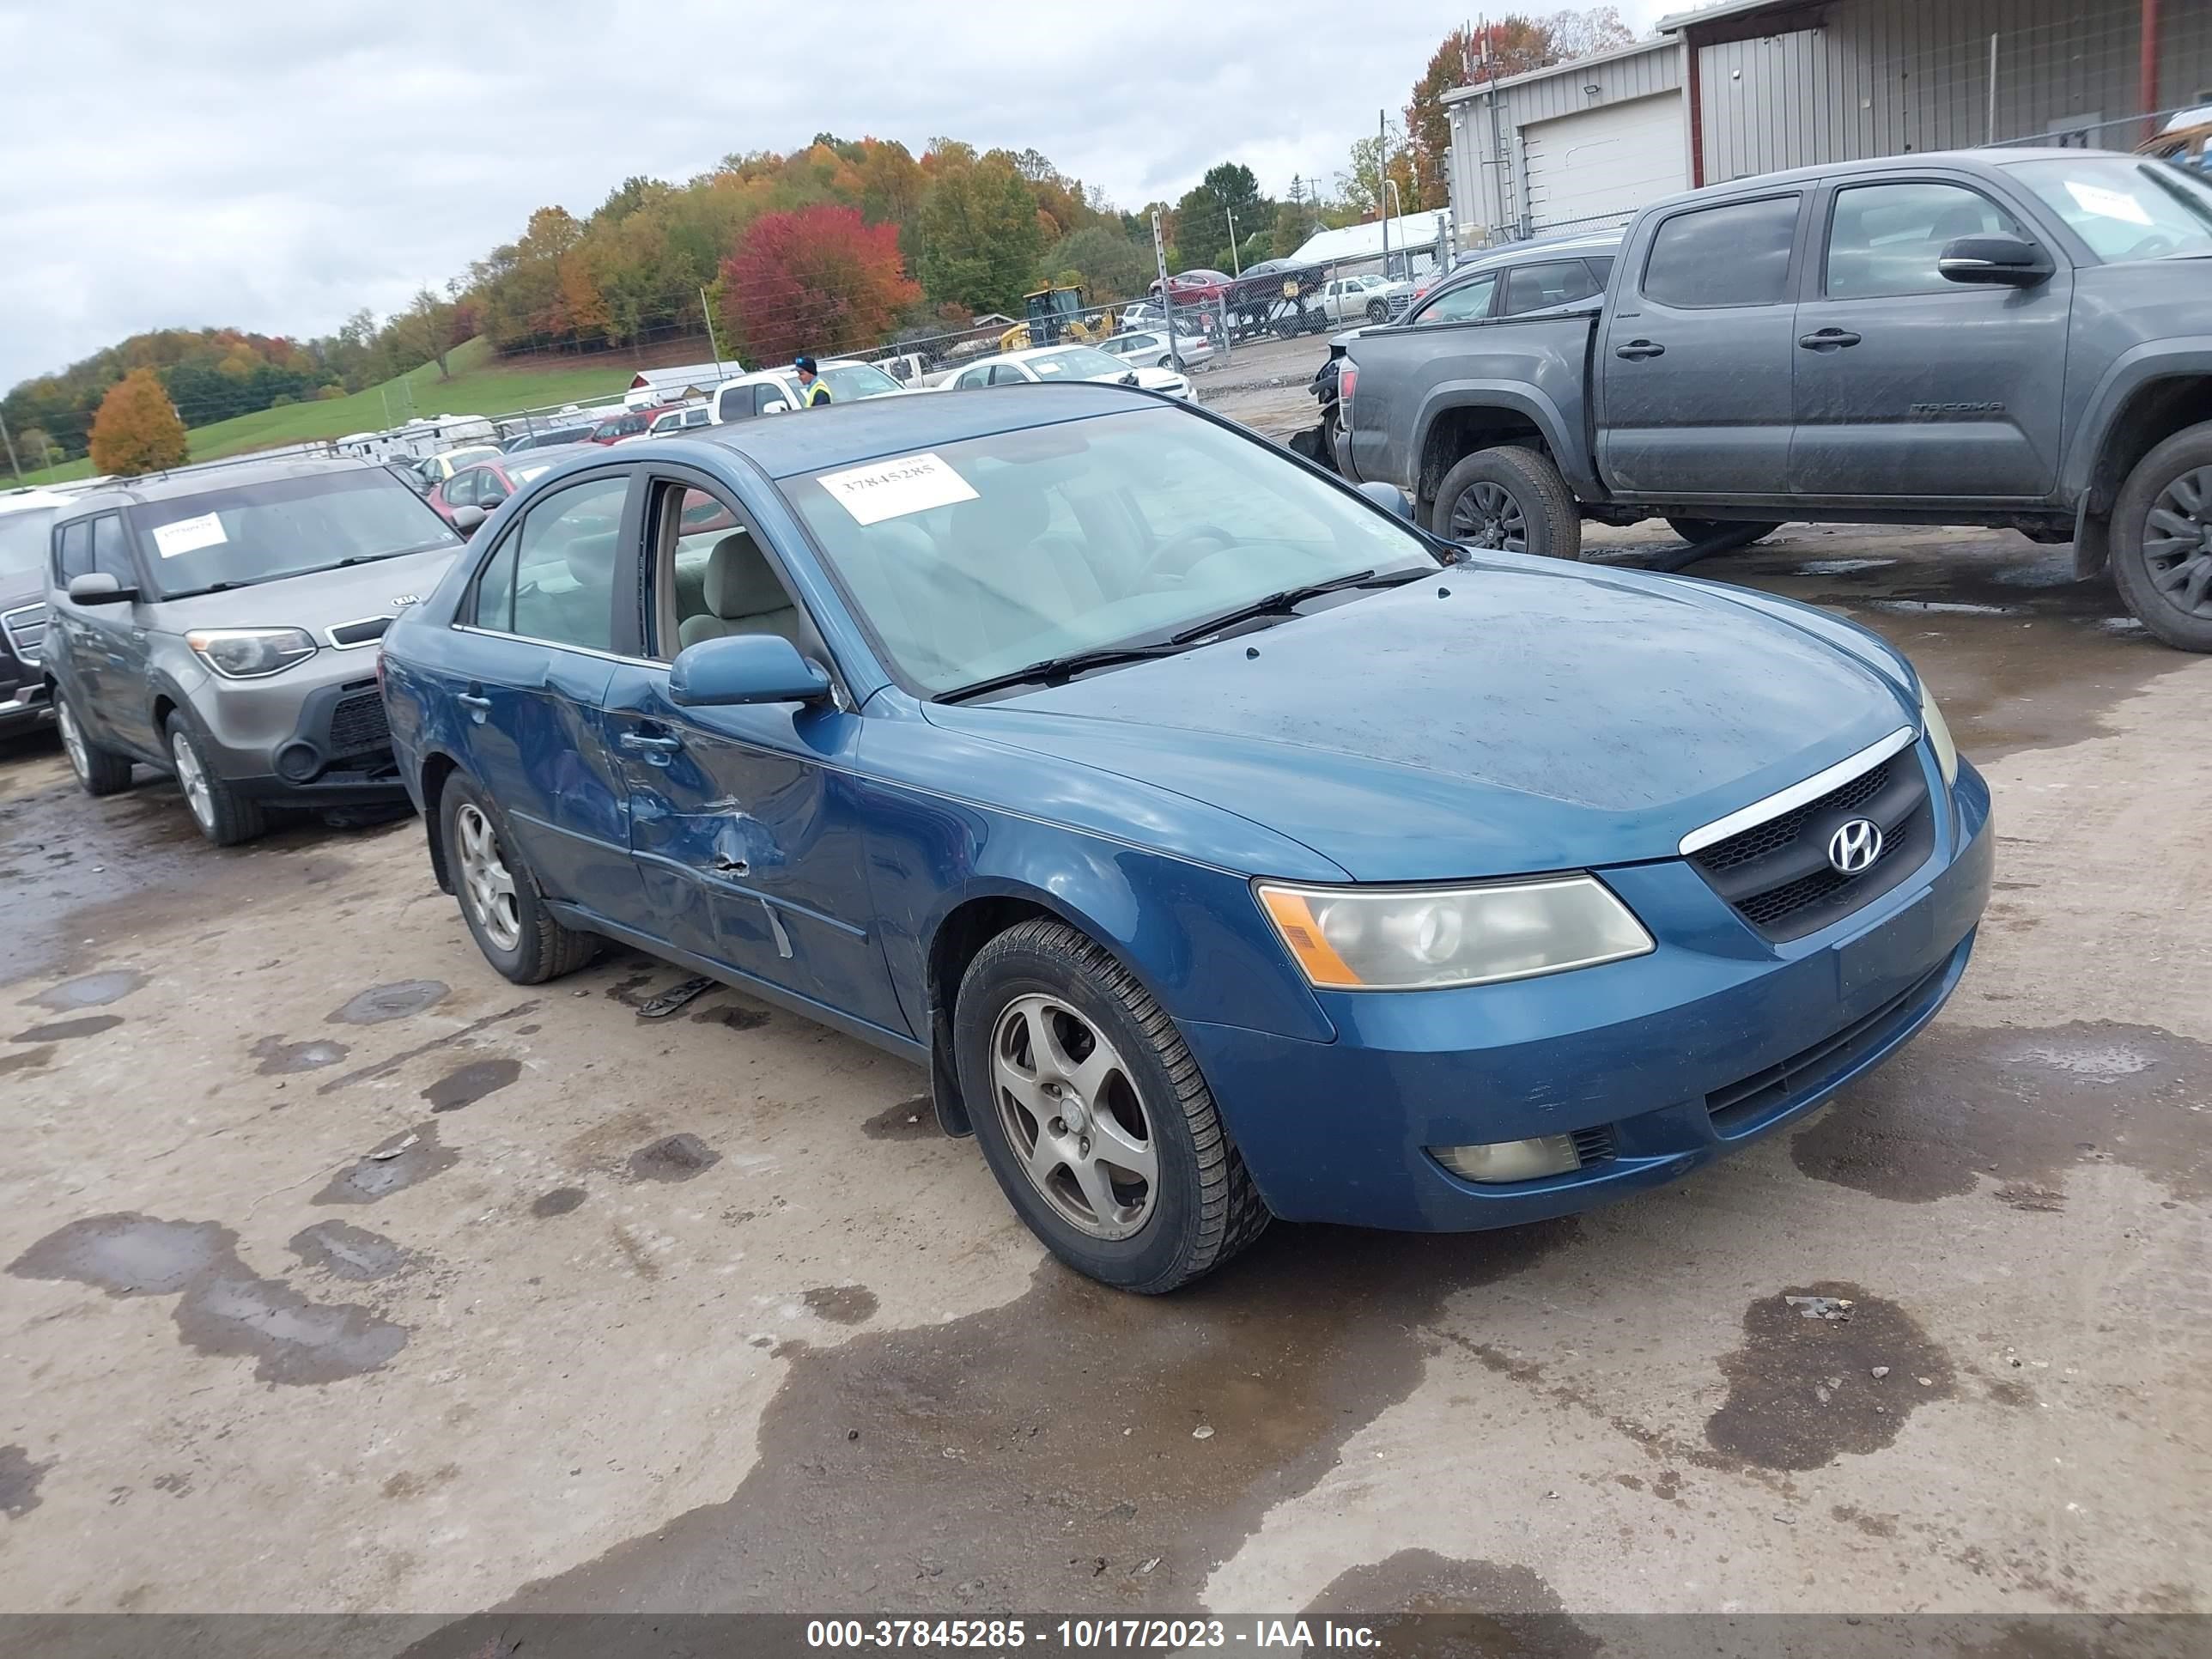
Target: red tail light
{"points": [[1347, 377]]}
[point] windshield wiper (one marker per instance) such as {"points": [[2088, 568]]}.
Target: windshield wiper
{"points": [[1057, 671], [1291, 598]]}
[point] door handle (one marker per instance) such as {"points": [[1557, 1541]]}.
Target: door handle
{"points": [[1635, 350], [477, 707], [1828, 339], [656, 750]]}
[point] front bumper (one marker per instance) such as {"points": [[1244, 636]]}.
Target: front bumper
{"points": [[312, 737], [1668, 1061]]}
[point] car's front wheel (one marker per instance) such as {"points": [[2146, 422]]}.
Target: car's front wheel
{"points": [[1510, 498], [500, 896], [1093, 1115], [225, 816], [1377, 311], [2161, 540], [99, 771]]}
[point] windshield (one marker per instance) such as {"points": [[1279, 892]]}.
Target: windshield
{"points": [[257, 532], [2124, 208], [23, 540], [531, 471], [855, 380], [980, 557], [1074, 363]]}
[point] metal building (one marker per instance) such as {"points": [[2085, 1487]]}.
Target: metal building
{"points": [[1747, 87]]}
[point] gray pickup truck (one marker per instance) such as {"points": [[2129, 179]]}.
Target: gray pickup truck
{"points": [[2010, 337]]}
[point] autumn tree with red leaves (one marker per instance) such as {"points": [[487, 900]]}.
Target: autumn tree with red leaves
{"points": [[819, 281]]}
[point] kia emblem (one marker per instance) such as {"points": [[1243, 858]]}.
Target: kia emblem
{"points": [[1853, 848]]}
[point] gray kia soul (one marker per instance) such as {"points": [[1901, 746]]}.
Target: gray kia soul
{"points": [[221, 623]]}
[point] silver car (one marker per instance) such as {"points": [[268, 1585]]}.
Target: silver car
{"points": [[220, 624]]}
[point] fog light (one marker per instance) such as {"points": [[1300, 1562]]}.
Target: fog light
{"points": [[1511, 1160], [297, 762]]}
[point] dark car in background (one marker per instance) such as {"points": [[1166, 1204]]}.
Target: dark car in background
{"points": [[551, 437], [220, 624], [27, 517], [630, 423]]}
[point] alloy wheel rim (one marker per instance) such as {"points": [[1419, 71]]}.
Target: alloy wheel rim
{"points": [[191, 777], [72, 742], [486, 879], [1486, 515], [1072, 1115], [2177, 543]]}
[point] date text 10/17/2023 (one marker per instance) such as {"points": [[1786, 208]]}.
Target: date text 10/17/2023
{"points": [[990, 1635]]}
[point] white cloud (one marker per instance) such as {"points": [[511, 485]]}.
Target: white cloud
{"points": [[275, 167]]}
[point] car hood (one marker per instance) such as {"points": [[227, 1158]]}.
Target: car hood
{"points": [[315, 600], [1535, 719]]}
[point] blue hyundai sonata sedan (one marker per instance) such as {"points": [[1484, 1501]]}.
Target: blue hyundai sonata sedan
{"points": [[1225, 847]]}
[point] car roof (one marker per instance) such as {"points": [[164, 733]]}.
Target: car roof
{"points": [[23, 501], [845, 434], [201, 480]]}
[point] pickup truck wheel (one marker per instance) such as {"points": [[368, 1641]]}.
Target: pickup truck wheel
{"points": [[1377, 311], [1510, 498], [2161, 540], [1697, 530], [499, 896], [1093, 1115]]}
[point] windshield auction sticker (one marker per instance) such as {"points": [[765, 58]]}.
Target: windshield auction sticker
{"points": [[891, 489], [187, 534]]}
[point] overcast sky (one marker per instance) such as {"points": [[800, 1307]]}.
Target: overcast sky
{"points": [[276, 166]]}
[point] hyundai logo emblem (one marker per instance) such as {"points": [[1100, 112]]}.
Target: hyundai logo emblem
{"points": [[1854, 847]]}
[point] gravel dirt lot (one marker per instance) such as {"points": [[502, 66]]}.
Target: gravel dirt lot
{"points": [[702, 1313]]}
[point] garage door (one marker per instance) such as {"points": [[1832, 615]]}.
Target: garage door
{"points": [[1613, 160]]}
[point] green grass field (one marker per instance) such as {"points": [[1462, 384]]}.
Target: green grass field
{"points": [[478, 388]]}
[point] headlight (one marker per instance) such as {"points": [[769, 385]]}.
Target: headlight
{"points": [[250, 653], [1939, 739], [1409, 939]]}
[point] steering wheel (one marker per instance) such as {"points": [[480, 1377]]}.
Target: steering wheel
{"points": [[1187, 543], [2156, 245]]}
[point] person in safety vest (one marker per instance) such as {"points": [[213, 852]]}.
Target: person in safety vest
{"points": [[813, 391]]}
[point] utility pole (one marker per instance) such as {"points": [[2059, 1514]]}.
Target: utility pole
{"points": [[17, 466], [1382, 180], [708, 311], [1235, 265], [1167, 295]]}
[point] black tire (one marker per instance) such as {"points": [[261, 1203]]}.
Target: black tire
{"points": [[1537, 509], [1697, 530], [2164, 579], [1377, 311], [224, 816], [1205, 1208], [98, 771], [541, 948]]}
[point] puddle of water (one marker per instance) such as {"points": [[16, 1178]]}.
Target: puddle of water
{"points": [[2019, 1107], [277, 1056], [19, 1481], [31, 1060], [223, 1306], [348, 1252], [1838, 567], [371, 1177], [91, 990], [63, 1029], [1801, 1392], [678, 1157], [466, 1085], [560, 1201], [398, 1001], [1418, 1603], [841, 1305]]}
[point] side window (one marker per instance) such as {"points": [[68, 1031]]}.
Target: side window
{"points": [[695, 416], [461, 489], [973, 378], [1458, 305], [110, 556], [764, 394], [565, 565], [72, 551], [490, 490], [711, 579], [1601, 269], [734, 403], [1736, 255], [1884, 239], [494, 605], [1532, 287], [1007, 374]]}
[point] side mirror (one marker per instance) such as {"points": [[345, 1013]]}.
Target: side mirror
{"points": [[743, 668], [775, 406], [1390, 498], [98, 588], [466, 519], [1998, 261]]}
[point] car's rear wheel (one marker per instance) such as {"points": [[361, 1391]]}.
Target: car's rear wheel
{"points": [[2161, 540], [500, 900], [1093, 1115], [99, 771], [1511, 499], [1698, 530], [225, 816]]}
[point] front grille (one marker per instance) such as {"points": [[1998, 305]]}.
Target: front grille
{"points": [[357, 725], [367, 631], [1750, 1101], [1594, 1145], [1776, 874], [25, 628]]}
